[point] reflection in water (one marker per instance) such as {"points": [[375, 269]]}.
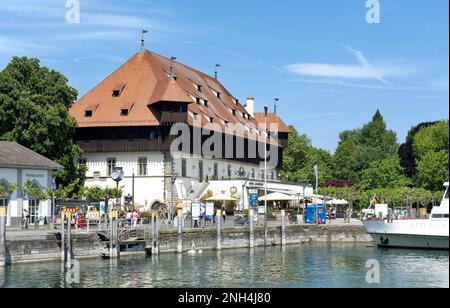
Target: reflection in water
{"points": [[292, 266]]}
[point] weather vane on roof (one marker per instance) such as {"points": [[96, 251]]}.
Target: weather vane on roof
{"points": [[142, 40]]}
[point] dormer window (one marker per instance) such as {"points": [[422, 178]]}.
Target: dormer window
{"points": [[124, 112], [199, 88], [118, 89], [205, 102], [211, 120], [236, 101], [89, 113], [198, 100], [233, 112], [218, 95]]}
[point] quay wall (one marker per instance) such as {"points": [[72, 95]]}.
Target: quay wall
{"points": [[42, 248]]}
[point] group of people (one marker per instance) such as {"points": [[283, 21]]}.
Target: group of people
{"points": [[132, 217], [208, 218]]}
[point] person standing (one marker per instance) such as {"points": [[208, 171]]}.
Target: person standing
{"points": [[26, 217], [134, 219], [224, 214]]}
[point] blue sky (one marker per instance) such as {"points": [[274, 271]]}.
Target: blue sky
{"points": [[330, 69]]}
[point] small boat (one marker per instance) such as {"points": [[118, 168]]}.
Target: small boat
{"points": [[430, 233]]}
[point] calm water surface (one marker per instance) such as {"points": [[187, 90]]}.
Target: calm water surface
{"points": [[308, 266]]}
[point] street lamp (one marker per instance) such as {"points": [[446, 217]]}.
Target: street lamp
{"points": [[117, 175], [265, 174], [53, 188]]}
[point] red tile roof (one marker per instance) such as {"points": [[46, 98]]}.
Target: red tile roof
{"points": [[143, 81], [272, 118]]}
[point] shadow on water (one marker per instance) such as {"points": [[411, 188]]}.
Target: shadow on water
{"points": [[311, 266]]}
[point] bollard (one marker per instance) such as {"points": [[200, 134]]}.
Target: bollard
{"points": [[283, 227], [63, 235], [155, 230], [3, 236], [219, 235], [113, 238], [69, 244], [252, 229], [180, 231]]}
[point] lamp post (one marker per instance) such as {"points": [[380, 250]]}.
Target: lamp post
{"points": [[132, 189], [117, 175], [265, 175], [53, 188]]}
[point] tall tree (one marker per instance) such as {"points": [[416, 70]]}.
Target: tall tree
{"points": [[360, 147], [300, 157], [386, 173], [34, 104], [431, 149]]}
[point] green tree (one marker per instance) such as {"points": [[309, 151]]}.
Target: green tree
{"points": [[431, 149], [34, 104], [300, 157], [386, 173], [358, 148], [7, 191]]}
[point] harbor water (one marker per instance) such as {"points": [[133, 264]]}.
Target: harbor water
{"points": [[310, 266]]}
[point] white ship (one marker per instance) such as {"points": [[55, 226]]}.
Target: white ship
{"points": [[431, 233]]}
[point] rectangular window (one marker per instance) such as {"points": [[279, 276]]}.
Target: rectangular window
{"points": [[229, 171], [253, 173], [124, 112], [142, 161], [183, 167], [82, 162], [111, 164], [116, 93], [88, 113], [96, 175], [3, 202]]}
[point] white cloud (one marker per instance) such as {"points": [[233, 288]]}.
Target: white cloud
{"points": [[365, 70], [335, 82]]}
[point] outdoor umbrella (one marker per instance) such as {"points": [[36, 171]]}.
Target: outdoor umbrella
{"points": [[337, 202], [278, 197], [221, 197]]}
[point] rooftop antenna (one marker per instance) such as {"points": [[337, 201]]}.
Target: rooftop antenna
{"points": [[216, 72], [171, 76], [142, 40], [276, 100]]}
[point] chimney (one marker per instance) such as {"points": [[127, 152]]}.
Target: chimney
{"points": [[250, 106]]}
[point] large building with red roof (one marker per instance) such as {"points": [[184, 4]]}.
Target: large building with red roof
{"points": [[128, 121]]}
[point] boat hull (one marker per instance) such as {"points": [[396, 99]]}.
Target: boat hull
{"points": [[417, 234]]}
